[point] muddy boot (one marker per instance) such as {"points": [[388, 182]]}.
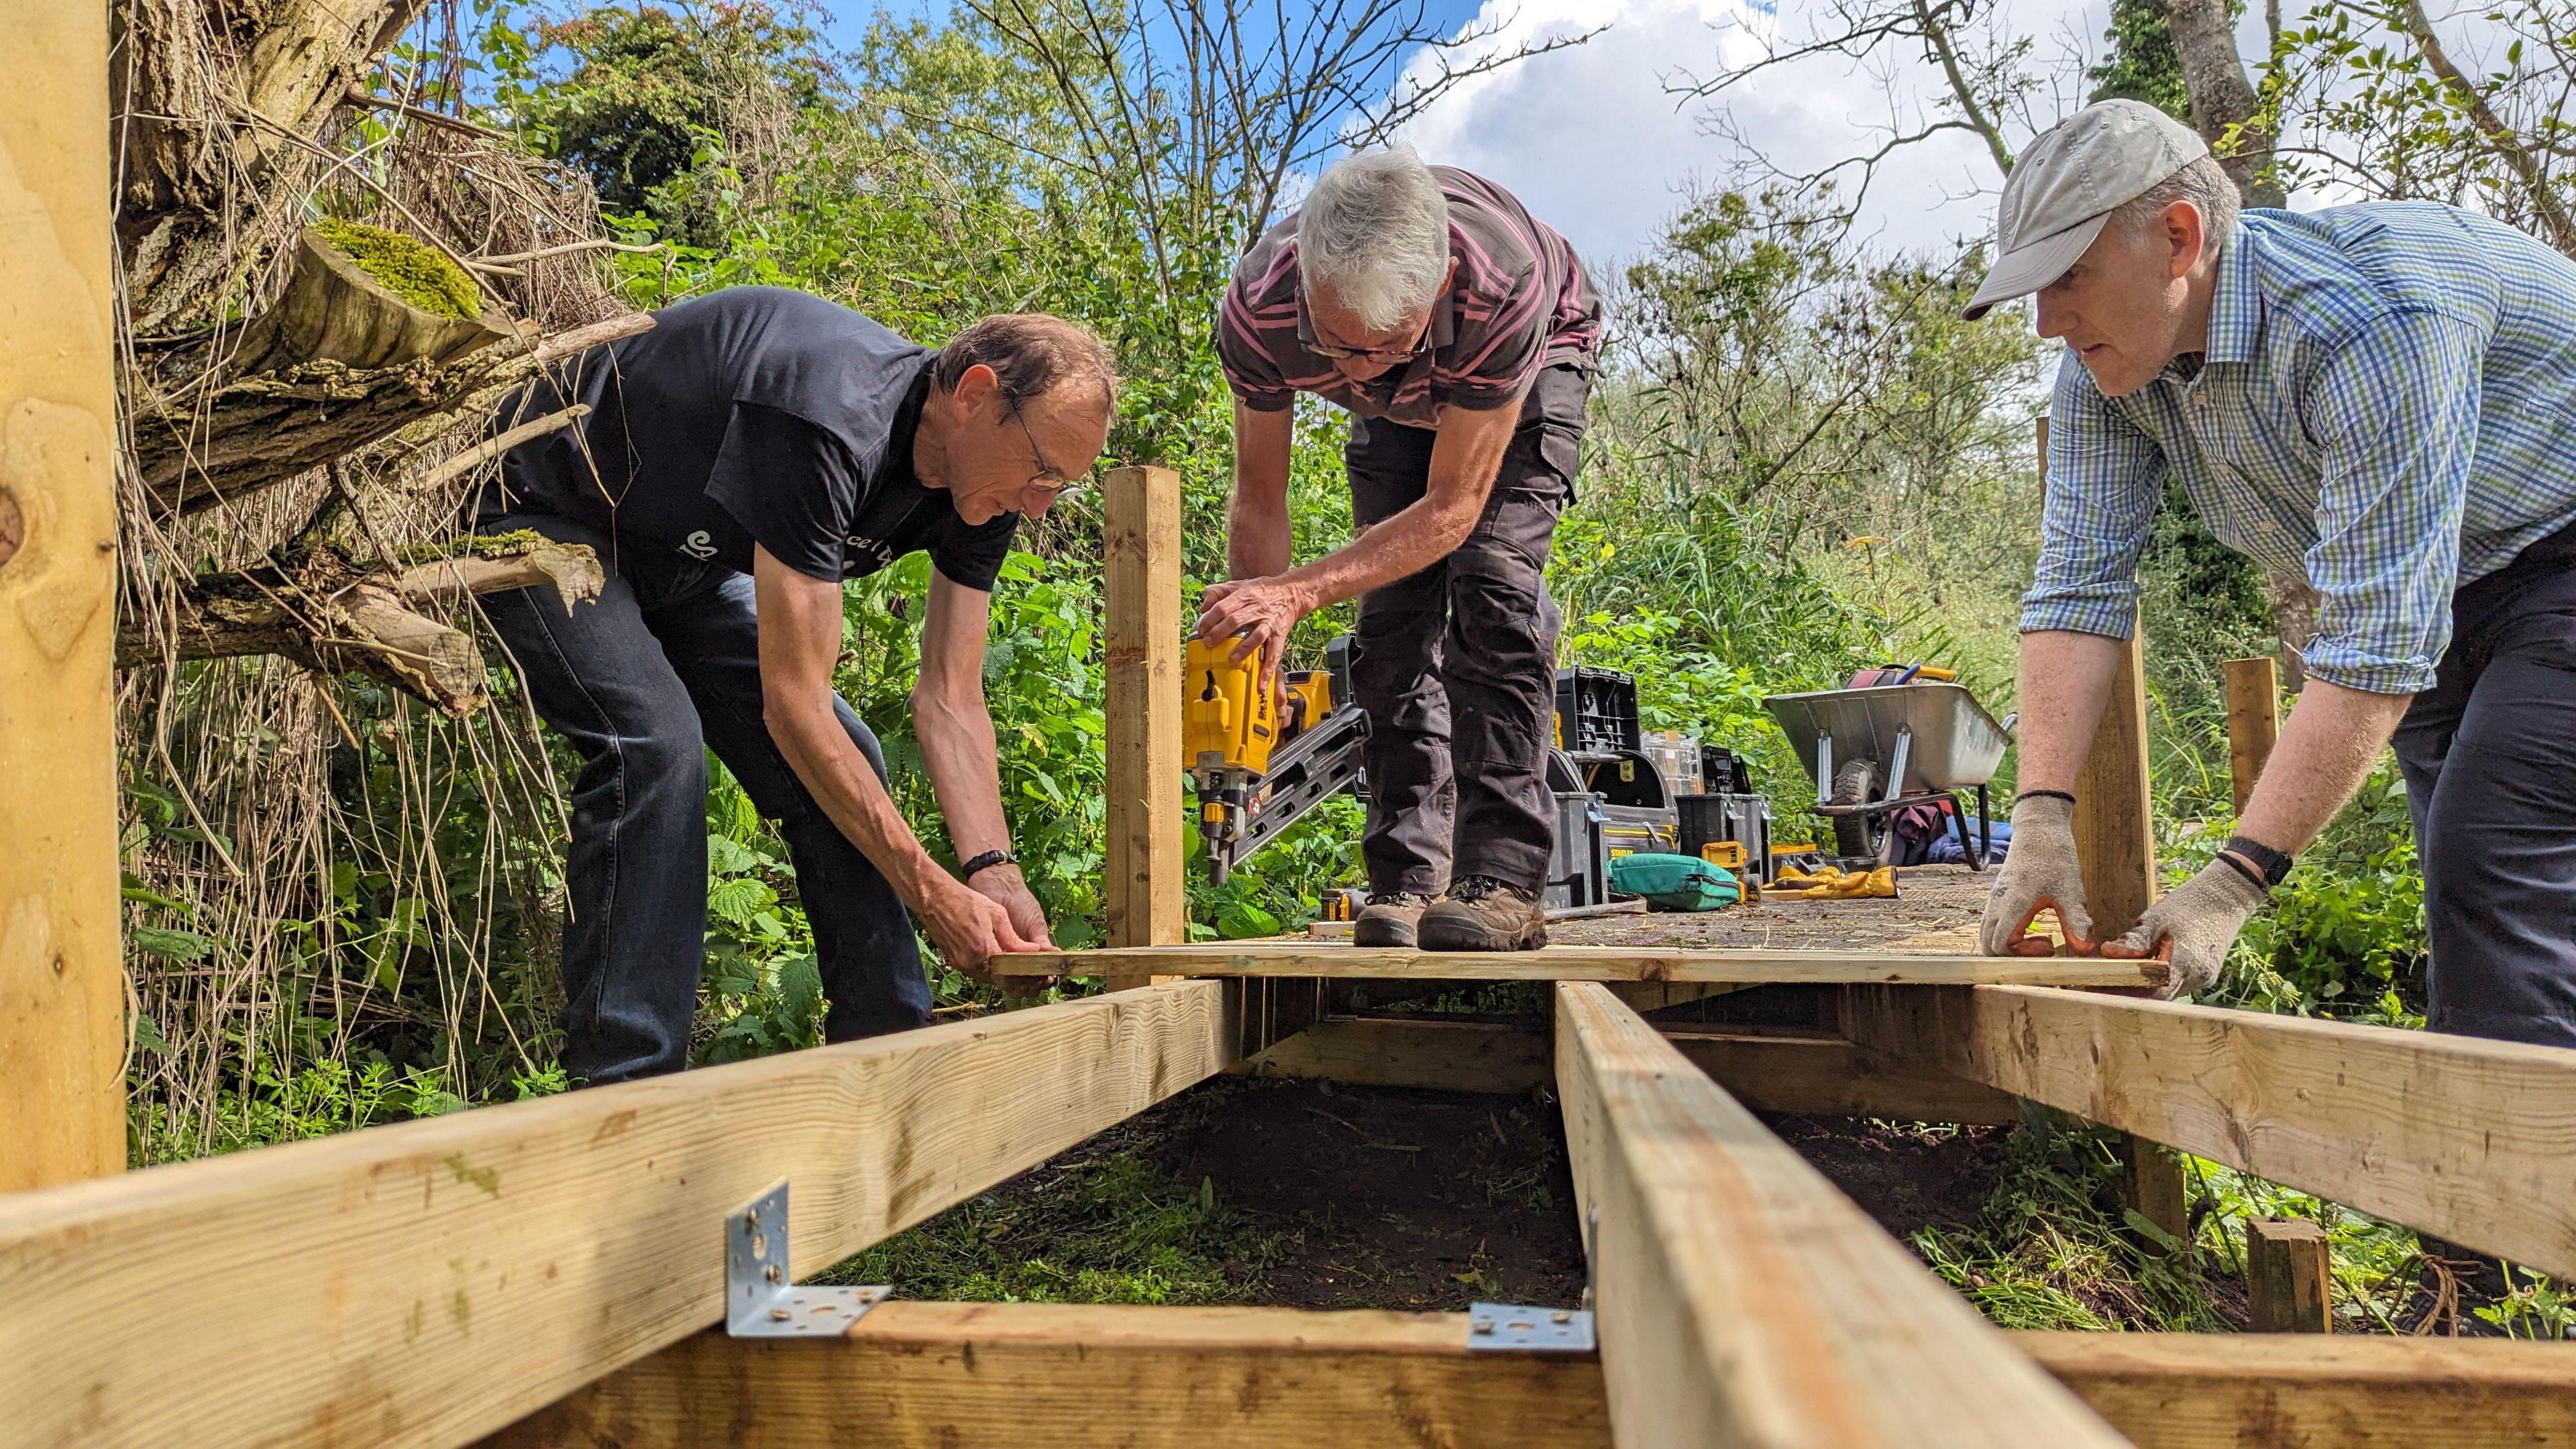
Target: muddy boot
{"points": [[1484, 914], [1390, 919]]}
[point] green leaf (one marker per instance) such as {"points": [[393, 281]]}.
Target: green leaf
{"points": [[169, 945]]}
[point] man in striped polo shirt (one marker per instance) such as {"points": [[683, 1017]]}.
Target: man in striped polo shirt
{"points": [[1461, 335]]}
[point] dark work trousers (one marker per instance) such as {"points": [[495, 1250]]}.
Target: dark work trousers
{"points": [[2489, 754], [665, 666], [1456, 665]]}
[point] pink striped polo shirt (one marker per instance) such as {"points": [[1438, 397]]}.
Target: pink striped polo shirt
{"points": [[1518, 302]]}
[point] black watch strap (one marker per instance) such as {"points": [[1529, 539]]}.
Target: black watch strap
{"points": [[2274, 865], [986, 861]]}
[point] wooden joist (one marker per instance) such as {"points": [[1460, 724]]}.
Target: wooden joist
{"points": [[1572, 963], [1744, 1301], [1767, 1071], [1001, 1376], [426, 1283], [2474, 1140]]}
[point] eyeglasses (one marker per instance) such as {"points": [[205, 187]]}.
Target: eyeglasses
{"points": [[1338, 353], [1047, 477]]}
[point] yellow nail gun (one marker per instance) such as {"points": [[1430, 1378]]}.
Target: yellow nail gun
{"points": [[1260, 764]]}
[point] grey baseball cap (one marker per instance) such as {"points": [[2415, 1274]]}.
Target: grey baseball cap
{"points": [[2069, 182]]}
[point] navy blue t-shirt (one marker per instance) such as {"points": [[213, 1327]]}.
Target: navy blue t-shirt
{"points": [[751, 414]]}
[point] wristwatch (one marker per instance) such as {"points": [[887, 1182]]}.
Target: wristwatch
{"points": [[986, 861], [2274, 865]]}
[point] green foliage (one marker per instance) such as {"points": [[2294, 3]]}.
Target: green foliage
{"points": [[419, 274], [2346, 932], [2140, 64]]}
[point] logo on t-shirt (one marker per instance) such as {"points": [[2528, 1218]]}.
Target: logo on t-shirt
{"points": [[698, 545]]}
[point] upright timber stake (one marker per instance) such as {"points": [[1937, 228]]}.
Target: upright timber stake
{"points": [[62, 986], [2287, 1273], [2253, 722], [1144, 872], [2154, 1187]]}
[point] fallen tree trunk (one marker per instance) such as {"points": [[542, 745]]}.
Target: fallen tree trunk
{"points": [[331, 616]]}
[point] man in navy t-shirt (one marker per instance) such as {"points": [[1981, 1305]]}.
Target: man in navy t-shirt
{"points": [[739, 461]]}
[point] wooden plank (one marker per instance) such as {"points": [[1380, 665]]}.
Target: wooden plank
{"points": [[1451, 1056], [2289, 1271], [426, 1283], [2261, 1391], [967, 1376], [2253, 689], [1144, 871], [1744, 1301], [987, 1376], [2115, 840], [2470, 1139], [62, 983], [1575, 963], [1821, 1076]]}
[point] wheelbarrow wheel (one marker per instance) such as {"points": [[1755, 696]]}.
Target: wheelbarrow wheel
{"points": [[1855, 781]]}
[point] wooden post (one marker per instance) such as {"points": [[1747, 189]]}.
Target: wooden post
{"points": [[62, 984], [2153, 1187], [1143, 879], [2253, 722], [2115, 841], [2288, 1271]]}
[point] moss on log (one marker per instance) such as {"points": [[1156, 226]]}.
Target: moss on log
{"points": [[416, 273]]}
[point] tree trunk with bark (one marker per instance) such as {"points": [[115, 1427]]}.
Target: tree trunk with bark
{"points": [[2222, 98]]}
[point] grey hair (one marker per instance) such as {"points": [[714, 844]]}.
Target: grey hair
{"points": [[2205, 184], [1375, 234]]}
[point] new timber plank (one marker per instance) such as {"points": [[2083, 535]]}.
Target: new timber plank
{"points": [[2474, 1140], [955, 1375], [2305, 1391], [1005, 1376], [1573, 963], [1741, 1299], [426, 1283]]}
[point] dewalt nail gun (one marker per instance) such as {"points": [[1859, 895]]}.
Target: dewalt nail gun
{"points": [[1261, 764]]}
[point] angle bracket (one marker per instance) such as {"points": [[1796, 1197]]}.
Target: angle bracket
{"points": [[761, 1300], [1522, 1328]]}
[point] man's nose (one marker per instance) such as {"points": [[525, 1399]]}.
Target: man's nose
{"points": [[1358, 369], [1035, 502], [2054, 318]]}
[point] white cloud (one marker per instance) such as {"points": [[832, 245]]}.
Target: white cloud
{"points": [[1591, 140]]}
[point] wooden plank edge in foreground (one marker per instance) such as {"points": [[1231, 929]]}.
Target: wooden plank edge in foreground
{"points": [[427, 1283], [999, 1376], [2473, 1140], [1742, 1300], [1819, 1076], [1575, 963]]}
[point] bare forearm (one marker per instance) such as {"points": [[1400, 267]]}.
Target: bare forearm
{"points": [[963, 759], [2326, 749], [1413, 539], [1258, 542], [2065, 678], [824, 758]]}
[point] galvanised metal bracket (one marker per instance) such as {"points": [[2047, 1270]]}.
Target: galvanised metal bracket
{"points": [[761, 1301], [1524, 1328]]}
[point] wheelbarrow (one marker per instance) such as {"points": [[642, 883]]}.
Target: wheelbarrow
{"points": [[1877, 748]]}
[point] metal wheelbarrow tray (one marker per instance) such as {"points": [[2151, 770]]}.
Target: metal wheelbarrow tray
{"points": [[1927, 740]]}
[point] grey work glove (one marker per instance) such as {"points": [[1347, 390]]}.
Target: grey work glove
{"points": [[2197, 923], [2039, 873]]}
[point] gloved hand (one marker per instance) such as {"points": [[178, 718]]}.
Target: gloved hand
{"points": [[2198, 922], [2040, 872]]}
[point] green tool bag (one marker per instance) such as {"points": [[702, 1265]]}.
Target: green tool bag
{"points": [[1674, 882]]}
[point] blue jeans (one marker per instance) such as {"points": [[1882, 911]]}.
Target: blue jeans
{"points": [[663, 667]]}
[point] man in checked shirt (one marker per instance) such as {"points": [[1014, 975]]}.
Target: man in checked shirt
{"points": [[1460, 333], [2381, 398]]}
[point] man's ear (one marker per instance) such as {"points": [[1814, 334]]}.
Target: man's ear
{"points": [[2186, 234], [976, 386]]}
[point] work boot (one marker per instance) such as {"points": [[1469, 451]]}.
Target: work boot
{"points": [[1391, 918], [1485, 914]]}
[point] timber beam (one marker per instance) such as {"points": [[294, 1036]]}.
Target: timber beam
{"points": [[998, 1376], [427, 1283], [1749, 967], [2473, 1140], [1741, 1299]]}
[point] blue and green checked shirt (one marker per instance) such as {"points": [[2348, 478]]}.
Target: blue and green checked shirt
{"points": [[2387, 406]]}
